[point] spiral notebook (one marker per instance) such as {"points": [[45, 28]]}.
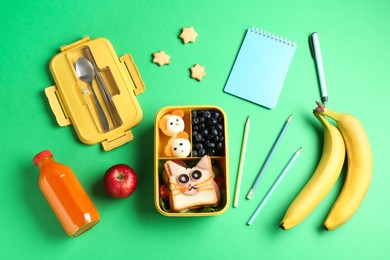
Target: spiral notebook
{"points": [[260, 68]]}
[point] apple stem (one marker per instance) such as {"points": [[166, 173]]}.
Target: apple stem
{"points": [[120, 176]]}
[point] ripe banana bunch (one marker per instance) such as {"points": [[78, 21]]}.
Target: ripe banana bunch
{"points": [[323, 178], [359, 171]]}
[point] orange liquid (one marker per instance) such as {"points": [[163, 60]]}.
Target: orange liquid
{"points": [[67, 197]]}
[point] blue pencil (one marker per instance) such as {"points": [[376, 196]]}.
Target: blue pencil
{"points": [[274, 186], [269, 157]]}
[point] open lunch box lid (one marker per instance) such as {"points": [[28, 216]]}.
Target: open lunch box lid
{"points": [[72, 99]]}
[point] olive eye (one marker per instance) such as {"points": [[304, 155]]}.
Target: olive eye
{"points": [[196, 175], [183, 178]]}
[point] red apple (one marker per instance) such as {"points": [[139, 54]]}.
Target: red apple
{"points": [[120, 181]]}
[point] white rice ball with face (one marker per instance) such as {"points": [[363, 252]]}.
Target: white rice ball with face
{"points": [[174, 125], [180, 147]]}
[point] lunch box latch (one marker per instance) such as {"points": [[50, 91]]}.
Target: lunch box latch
{"points": [[84, 40], [118, 140]]}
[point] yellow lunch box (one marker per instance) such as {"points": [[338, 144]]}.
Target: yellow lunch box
{"points": [[207, 143], [96, 92]]}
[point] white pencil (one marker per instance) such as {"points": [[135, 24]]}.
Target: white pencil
{"points": [[242, 159]]}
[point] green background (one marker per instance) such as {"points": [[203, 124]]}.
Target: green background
{"points": [[355, 47]]}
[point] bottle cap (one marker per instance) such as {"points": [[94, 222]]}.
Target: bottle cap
{"points": [[41, 155]]}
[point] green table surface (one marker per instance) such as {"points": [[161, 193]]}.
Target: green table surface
{"points": [[355, 39]]}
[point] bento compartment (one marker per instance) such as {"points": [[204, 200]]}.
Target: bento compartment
{"points": [[203, 126], [207, 132], [218, 175], [173, 128]]}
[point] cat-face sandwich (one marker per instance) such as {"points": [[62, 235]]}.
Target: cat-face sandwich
{"points": [[191, 188]]}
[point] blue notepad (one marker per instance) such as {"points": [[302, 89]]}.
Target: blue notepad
{"points": [[260, 68]]}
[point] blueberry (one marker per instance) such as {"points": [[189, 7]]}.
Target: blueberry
{"points": [[211, 152], [212, 121], [210, 145], [201, 152], [198, 137], [199, 146], [195, 120], [205, 132], [207, 114]]}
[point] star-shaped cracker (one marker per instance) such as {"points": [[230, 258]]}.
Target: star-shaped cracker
{"points": [[197, 72], [161, 58], [188, 34]]}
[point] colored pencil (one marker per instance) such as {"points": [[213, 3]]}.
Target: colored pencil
{"points": [[269, 157], [274, 186], [242, 159]]}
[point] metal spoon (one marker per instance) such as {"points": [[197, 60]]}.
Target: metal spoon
{"points": [[86, 73]]}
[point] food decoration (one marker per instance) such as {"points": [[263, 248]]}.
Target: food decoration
{"points": [[197, 72], [161, 58], [178, 146], [188, 34], [191, 188]]}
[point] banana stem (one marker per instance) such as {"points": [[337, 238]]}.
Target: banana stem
{"points": [[320, 108], [323, 110]]}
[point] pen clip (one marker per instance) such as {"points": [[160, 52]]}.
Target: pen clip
{"points": [[311, 44]]}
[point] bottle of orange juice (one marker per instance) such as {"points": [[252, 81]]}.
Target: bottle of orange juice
{"points": [[66, 196]]}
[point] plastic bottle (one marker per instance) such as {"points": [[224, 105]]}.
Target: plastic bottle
{"points": [[66, 196]]}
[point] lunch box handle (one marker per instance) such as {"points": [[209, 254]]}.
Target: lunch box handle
{"points": [[56, 106], [134, 74]]}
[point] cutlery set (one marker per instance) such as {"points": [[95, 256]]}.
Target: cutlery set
{"points": [[88, 72], [96, 91]]}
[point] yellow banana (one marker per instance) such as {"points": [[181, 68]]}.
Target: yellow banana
{"points": [[359, 169], [323, 178]]}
